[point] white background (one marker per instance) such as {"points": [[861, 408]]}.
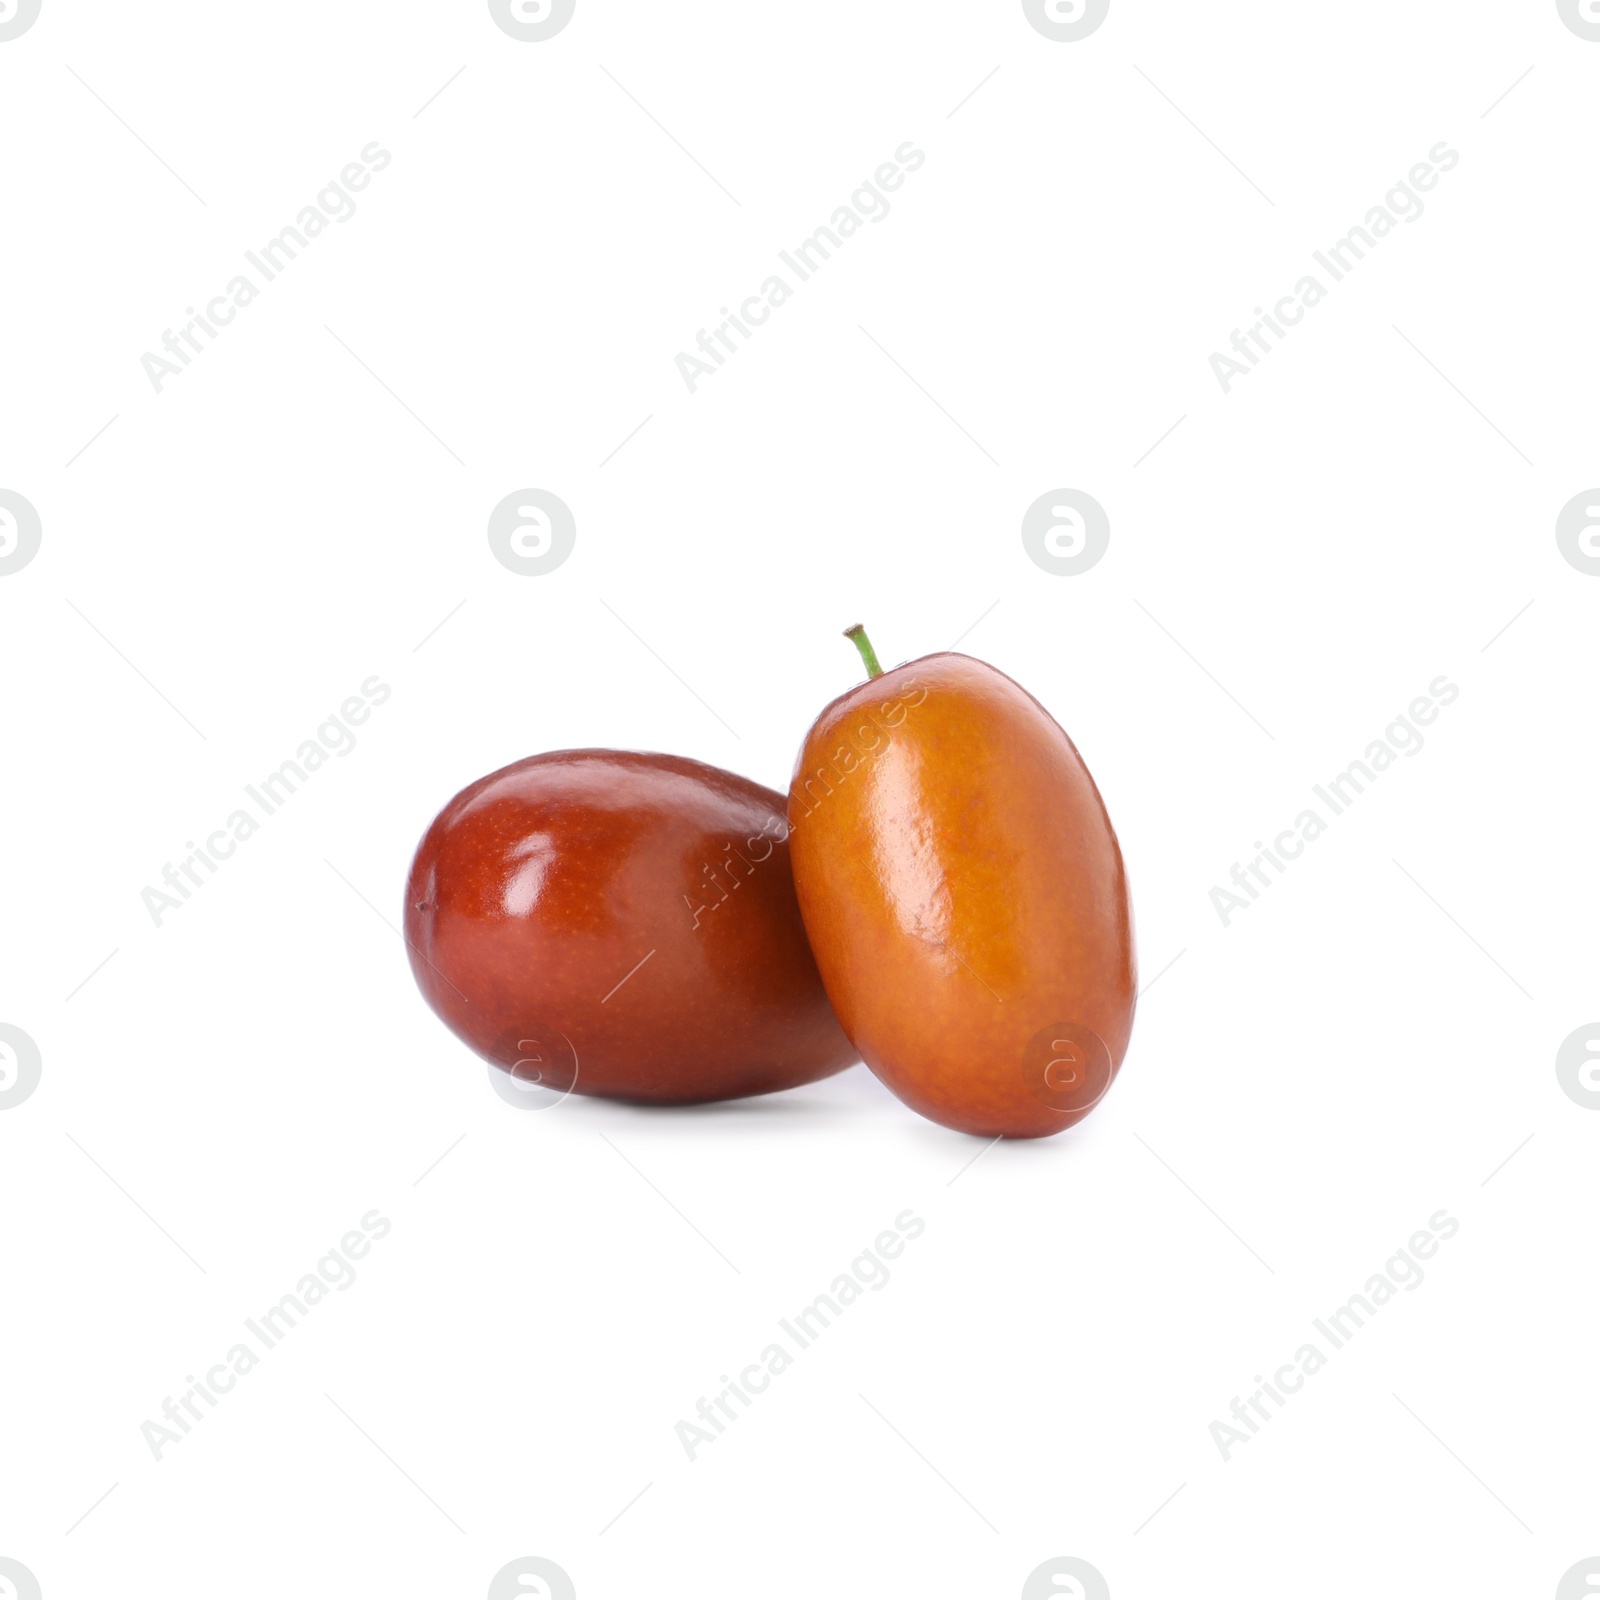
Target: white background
{"points": [[228, 1093]]}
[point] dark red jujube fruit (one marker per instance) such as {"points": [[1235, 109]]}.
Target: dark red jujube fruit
{"points": [[621, 924]]}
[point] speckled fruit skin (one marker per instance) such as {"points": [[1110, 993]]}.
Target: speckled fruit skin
{"points": [[965, 897], [539, 888]]}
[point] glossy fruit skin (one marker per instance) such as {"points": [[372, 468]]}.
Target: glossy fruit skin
{"points": [[539, 889], [965, 898]]}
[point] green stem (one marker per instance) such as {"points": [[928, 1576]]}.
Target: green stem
{"points": [[858, 637]]}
